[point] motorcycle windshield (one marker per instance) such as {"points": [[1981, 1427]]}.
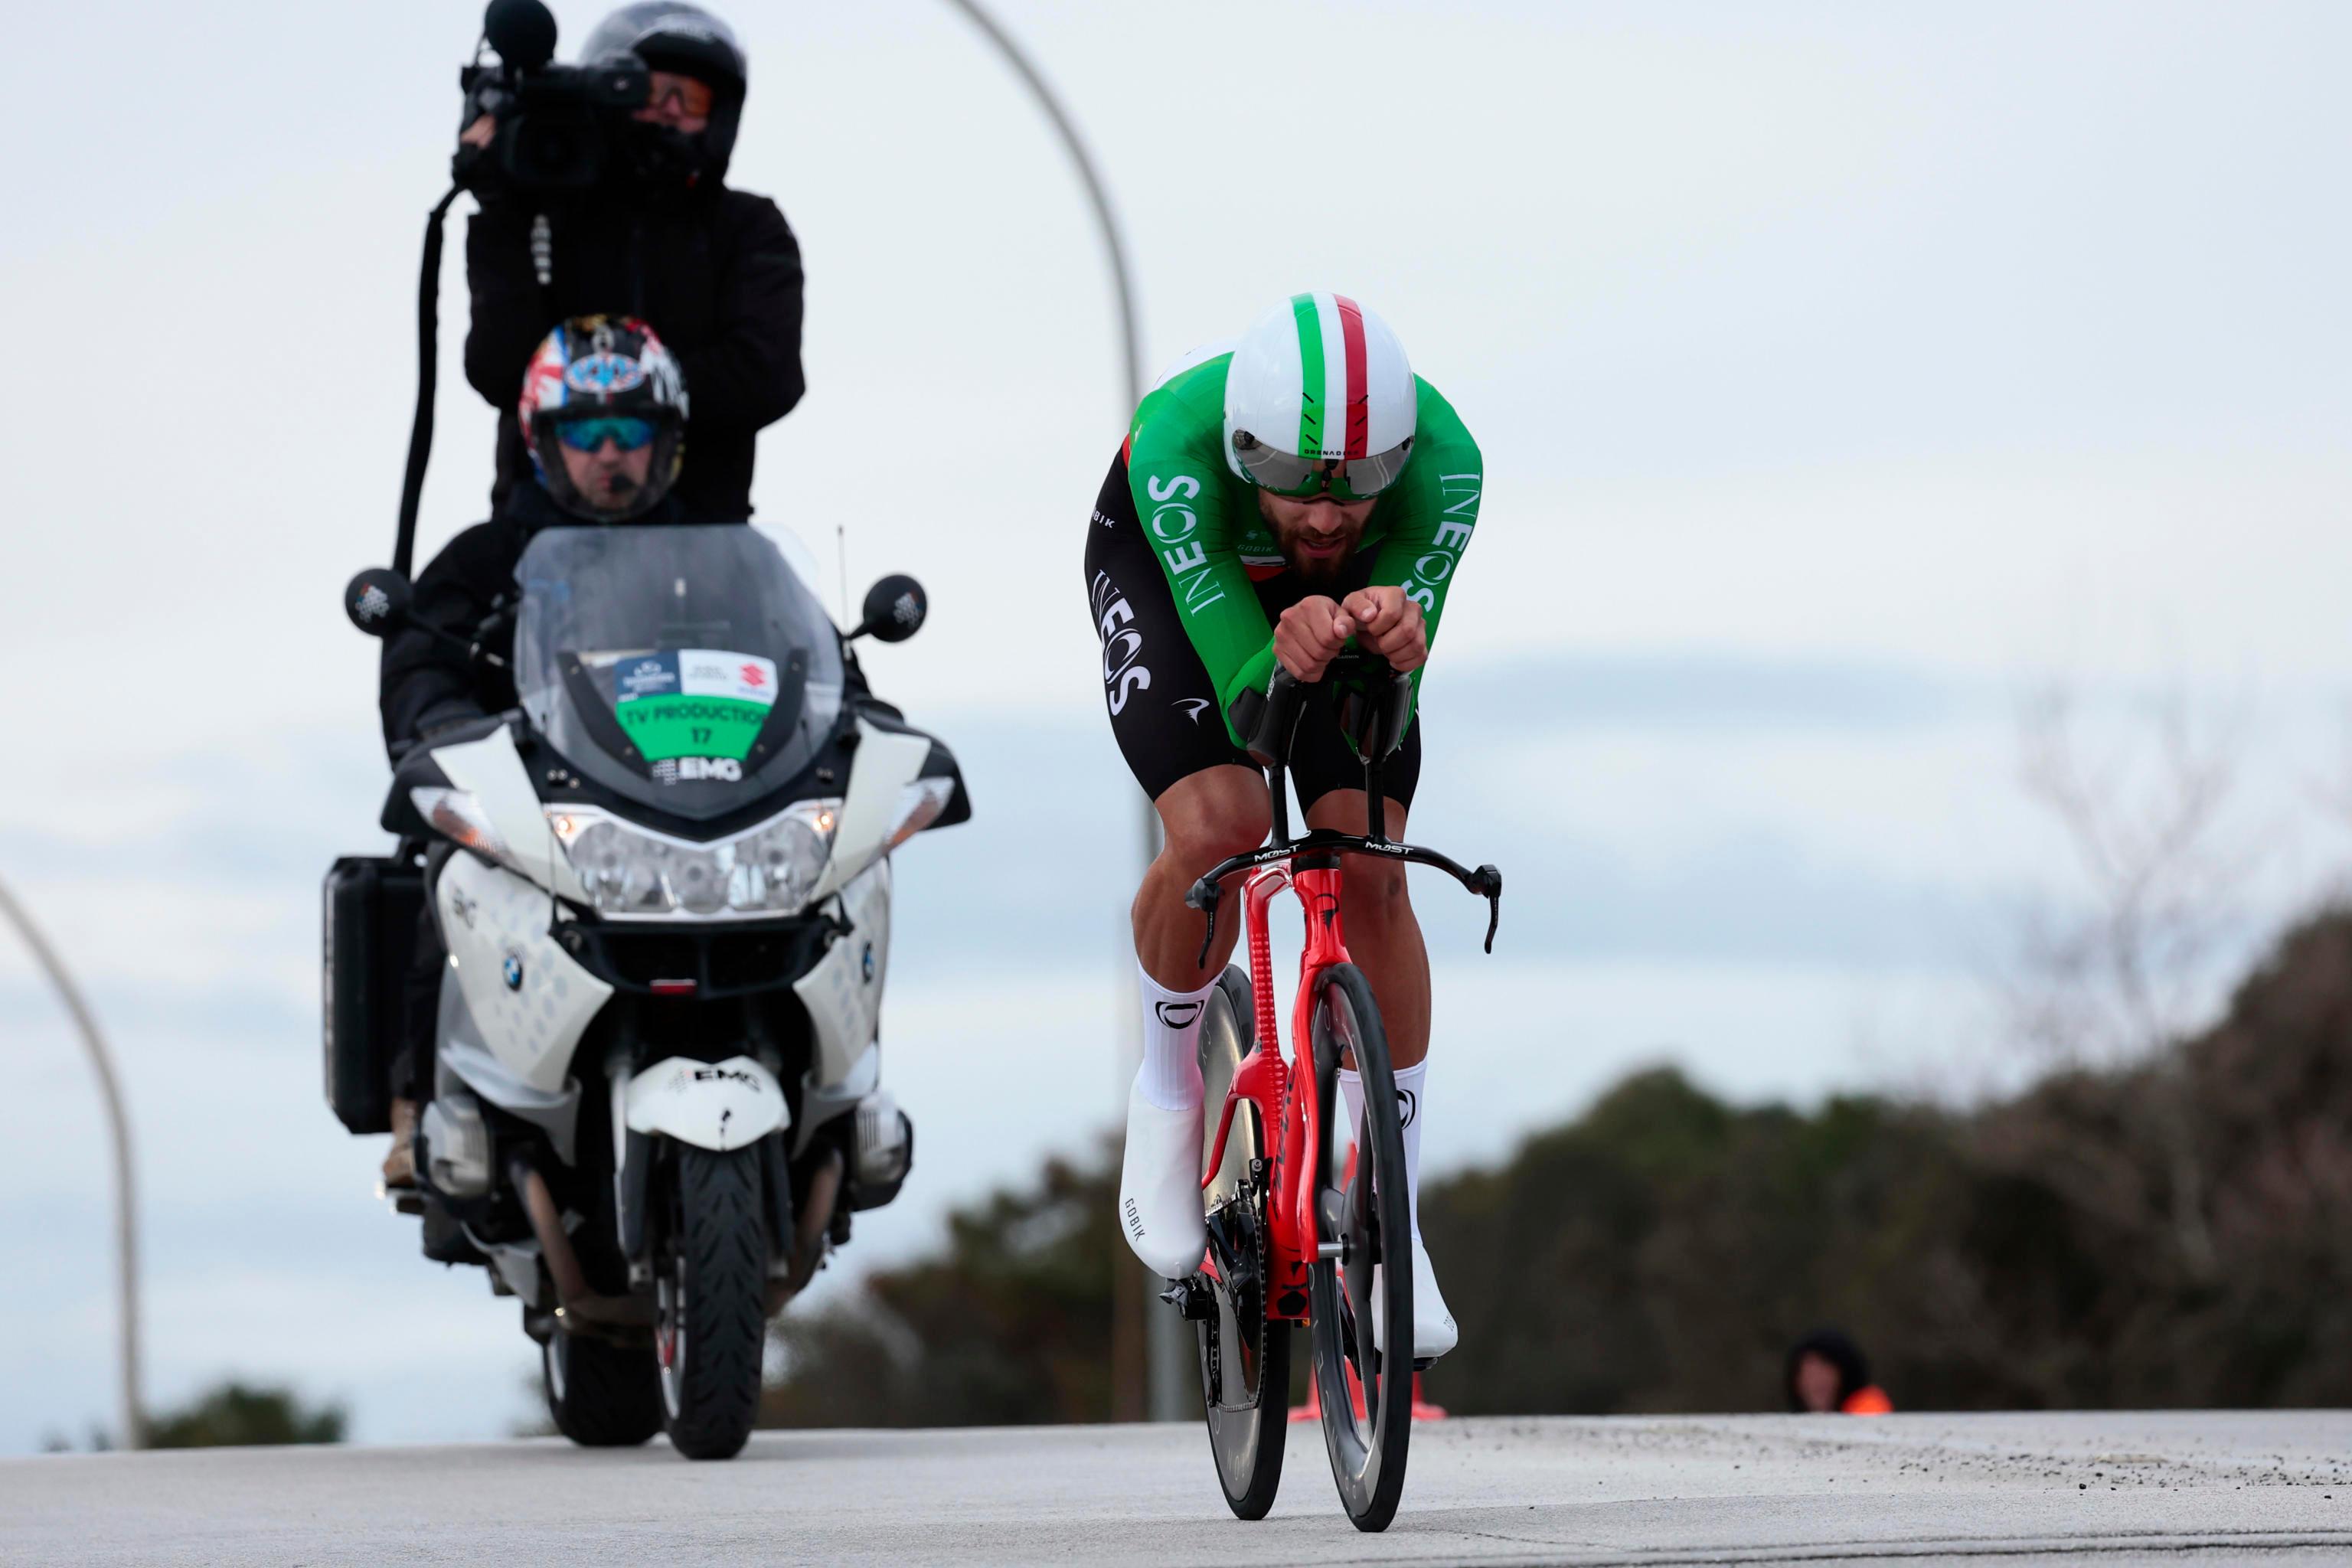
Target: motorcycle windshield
{"points": [[685, 667]]}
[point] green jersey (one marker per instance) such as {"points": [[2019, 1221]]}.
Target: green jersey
{"points": [[1213, 543]]}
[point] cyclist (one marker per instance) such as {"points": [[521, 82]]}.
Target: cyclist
{"points": [[1271, 504]]}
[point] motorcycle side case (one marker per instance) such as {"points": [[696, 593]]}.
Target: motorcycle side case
{"points": [[372, 905]]}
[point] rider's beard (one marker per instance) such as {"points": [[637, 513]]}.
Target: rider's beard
{"points": [[1321, 566], [616, 490]]}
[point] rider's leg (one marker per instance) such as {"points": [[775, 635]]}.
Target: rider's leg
{"points": [[1203, 818], [1206, 817], [1385, 939]]}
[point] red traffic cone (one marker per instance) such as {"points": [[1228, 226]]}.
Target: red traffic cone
{"points": [[1313, 1409]]}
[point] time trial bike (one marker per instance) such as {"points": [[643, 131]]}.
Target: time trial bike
{"points": [[1299, 1234]]}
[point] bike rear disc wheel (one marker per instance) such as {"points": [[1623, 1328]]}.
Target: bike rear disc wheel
{"points": [[1244, 1358], [1372, 1282]]}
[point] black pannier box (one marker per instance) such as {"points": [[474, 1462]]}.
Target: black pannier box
{"points": [[372, 905]]}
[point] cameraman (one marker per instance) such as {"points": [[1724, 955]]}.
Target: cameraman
{"points": [[659, 235]]}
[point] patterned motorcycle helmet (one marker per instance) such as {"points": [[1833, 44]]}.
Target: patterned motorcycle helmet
{"points": [[599, 380]]}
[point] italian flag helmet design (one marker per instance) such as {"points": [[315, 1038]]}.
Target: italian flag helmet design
{"points": [[1321, 379]]}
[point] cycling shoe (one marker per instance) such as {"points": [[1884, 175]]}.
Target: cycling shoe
{"points": [[1160, 1209]]}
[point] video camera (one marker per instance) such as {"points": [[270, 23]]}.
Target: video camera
{"points": [[553, 120]]}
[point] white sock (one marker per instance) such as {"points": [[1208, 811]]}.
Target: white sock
{"points": [[1409, 1081], [1170, 1078]]}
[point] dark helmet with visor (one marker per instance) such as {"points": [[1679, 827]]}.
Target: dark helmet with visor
{"points": [[672, 36], [599, 380]]}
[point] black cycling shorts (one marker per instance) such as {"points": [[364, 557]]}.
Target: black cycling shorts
{"points": [[1162, 704]]}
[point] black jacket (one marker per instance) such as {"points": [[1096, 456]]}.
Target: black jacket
{"points": [[718, 275], [426, 682]]}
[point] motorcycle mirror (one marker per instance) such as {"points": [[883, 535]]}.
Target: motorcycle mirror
{"points": [[377, 601], [894, 608]]}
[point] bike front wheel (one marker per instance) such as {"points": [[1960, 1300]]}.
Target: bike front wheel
{"points": [[1244, 1358], [1361, 1298]]}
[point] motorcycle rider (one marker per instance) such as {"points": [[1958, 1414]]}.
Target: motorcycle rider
{"points": [[1239, 527], [661, 236], [603, 416]]}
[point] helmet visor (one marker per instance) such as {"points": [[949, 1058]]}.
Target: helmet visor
{"points": [[1349, 478], [587, 434]]}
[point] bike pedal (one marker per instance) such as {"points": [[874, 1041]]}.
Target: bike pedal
{"points": [[1191, 1299], [408, 1202]]}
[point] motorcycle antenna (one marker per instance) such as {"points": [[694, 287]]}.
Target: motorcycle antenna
{"points": [[841, 559]]}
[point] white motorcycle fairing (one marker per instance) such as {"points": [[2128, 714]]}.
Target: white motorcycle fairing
{"points": [[883, 764], [531, 999], [711, 1105], [492, 772], [842, 993]]}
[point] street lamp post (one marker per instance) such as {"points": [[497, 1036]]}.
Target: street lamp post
{"points": [[132, 1415], [1167, 1350]]}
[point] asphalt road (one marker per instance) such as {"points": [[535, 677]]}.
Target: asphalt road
{"points": [[2111, 1489]]}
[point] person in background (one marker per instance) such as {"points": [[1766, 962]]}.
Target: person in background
{"points": [[1827, 1375], [662, 238], [602, 409]]}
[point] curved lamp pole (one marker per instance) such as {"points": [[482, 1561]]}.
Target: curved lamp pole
{"points": [[1167, 1348], [1075, 146], [126, 1208]]}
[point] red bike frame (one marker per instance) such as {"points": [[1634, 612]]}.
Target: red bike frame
{"points": [[1284, 1095]]}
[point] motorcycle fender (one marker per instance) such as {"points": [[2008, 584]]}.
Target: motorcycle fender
{"points": [[842, 993], [711, 1105], [531, 999]]}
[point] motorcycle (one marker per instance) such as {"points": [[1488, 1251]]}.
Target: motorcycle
{"points": [[662, 886]]}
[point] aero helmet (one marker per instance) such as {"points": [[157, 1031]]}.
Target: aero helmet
{"points": [[671, 36], [1320, 397], [613, 371]]}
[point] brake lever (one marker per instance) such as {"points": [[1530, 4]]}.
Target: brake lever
{"points": [[1205, 896], [1490, 884]]}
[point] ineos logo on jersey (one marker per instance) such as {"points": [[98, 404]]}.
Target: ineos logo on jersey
{"points": [[1172, 524], [1123, 674], [1177, 1014], [1461, 493]]}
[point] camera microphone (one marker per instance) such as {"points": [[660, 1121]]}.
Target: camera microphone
{"points": [[522, 31]]}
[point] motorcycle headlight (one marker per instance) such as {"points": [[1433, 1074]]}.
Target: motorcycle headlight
{"points": [[628, 871]]}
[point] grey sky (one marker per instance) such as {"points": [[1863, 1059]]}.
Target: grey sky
{"points": [[1835, 366]]}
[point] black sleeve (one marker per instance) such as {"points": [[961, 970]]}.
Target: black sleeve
{"points": [[749, 375], [506, 325], [426, 681]]}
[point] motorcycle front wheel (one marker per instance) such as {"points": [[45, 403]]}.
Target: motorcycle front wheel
{"points": [[710, 1319]]}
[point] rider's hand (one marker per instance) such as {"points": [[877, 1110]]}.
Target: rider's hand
{"points": [[1389, 625], [1310, 634], [480, 132]]}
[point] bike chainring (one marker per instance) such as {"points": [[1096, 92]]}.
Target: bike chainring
{"points": [[1245, 1288]]}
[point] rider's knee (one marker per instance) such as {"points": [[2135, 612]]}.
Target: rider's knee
{"points": [[1210, 816], [1374, 892]]}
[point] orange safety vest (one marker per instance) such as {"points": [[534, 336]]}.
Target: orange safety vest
{"points": [[1871, 1401]]}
